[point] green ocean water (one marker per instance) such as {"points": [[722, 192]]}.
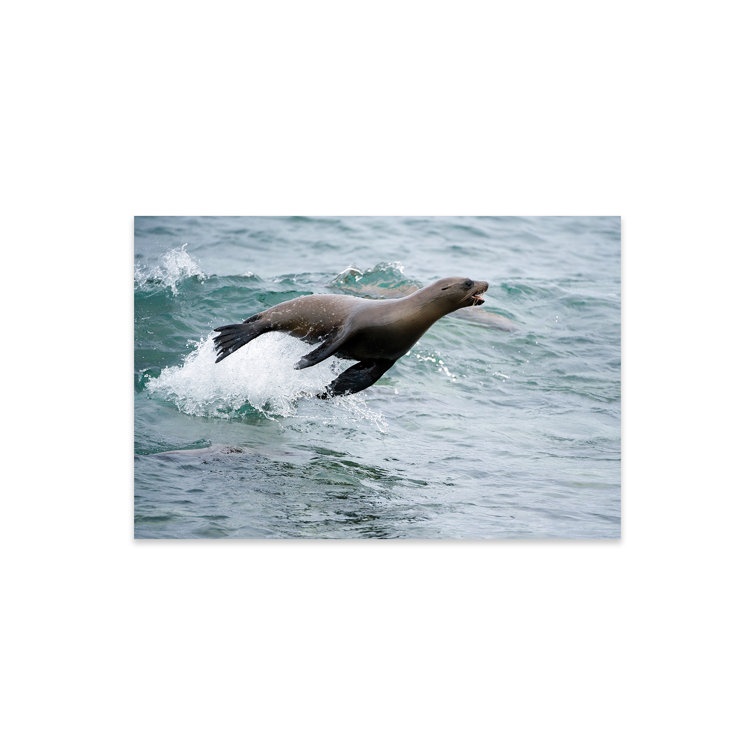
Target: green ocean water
{"points": [[478, 432]]}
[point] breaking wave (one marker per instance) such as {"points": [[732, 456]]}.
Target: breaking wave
{"points": [[174, 266], [259, 378]]}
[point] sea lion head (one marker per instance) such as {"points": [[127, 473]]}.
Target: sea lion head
{"points": [[455, 293]]}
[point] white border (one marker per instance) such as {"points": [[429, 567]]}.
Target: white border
{"points": [[418, 108]]}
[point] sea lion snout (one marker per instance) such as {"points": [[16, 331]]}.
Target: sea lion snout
{"points": [[479, 288]]}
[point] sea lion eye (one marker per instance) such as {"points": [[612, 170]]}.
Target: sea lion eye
{"points": [[468, 283]]}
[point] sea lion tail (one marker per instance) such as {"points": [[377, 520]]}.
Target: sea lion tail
{"points": [[231, 338]]}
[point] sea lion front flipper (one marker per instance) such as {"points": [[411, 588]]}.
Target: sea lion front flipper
{"points": [[327, 348], [358, 377]]}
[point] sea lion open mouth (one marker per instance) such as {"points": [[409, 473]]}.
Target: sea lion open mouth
{"points": [[476, 298]]}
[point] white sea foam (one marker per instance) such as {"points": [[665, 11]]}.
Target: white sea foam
{"points": [[260, 375], [173, 267]]}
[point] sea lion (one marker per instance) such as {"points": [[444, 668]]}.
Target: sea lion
{"points": [[374, 332]]}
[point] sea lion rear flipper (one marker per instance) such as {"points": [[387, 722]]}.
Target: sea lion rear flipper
{"points": [[327, 348], [362, 375], [233, 337]]}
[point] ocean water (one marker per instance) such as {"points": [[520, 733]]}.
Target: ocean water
{"points": [[481, 431]]}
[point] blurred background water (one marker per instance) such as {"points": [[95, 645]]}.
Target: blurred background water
{"points": [[479, 432]]}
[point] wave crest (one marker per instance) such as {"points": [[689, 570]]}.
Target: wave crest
{"points": [[384, 281], [174, 266]]}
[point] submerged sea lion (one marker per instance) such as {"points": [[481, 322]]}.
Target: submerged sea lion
{"points": [[374, 332], [488, 319]]}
